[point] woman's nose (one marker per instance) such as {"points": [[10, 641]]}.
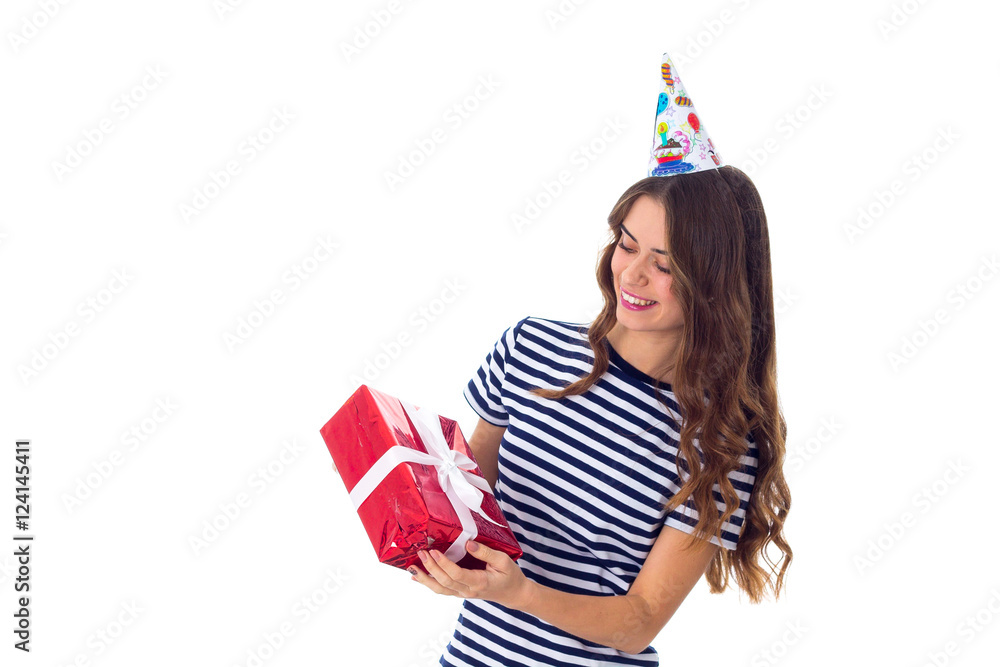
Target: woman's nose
{"points": [[632, 275]]}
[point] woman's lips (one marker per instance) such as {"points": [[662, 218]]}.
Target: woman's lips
{"points": [[636, 296], [632, 306]]}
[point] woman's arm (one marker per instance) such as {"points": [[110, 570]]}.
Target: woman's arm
{"points": [[617, 621], [485, 446], [628, 622]]}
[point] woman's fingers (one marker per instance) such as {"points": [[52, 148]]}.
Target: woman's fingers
{"points": [[429, 581], [444, 571]]}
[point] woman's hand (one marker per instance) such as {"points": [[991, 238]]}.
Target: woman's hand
{"points": [[502, 581]]}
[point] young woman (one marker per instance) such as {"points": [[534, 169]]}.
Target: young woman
{"points": [[636, 453]]}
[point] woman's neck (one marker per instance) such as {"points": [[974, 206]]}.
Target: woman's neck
{"points": [[650, 351]]}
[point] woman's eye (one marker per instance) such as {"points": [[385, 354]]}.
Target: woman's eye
{"points": [[630, 251]]}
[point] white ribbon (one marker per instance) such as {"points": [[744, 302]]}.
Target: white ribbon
{"points": [[461, 486]]}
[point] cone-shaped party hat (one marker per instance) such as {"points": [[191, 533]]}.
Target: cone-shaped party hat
{"points": [[680, 141]]}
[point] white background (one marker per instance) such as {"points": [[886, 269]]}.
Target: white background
{"points": [[439, 261]]}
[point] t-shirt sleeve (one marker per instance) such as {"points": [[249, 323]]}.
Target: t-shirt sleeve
{"points": [[485, 391], [685, 517]]}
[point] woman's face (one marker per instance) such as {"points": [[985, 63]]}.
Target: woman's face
{"points": [[642, 269]]}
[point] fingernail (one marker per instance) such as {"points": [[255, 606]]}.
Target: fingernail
{"points": [[435, 554], [412, 570], [473, 546], [423, 555]]}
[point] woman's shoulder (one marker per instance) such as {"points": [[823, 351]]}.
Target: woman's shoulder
{"points": [[553, 333]]}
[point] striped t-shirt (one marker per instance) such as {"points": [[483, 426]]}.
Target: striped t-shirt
{"points": [[581, 481]]}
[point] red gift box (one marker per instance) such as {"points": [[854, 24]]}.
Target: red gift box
{"points": [[414, 481]]}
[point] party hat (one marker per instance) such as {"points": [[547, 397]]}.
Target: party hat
{"points": [[680, 140]]}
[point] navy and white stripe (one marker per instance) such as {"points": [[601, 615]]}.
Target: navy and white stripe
{"points": [[581, 482]]}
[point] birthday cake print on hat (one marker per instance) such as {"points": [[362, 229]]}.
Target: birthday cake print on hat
{"points": [[681, 142]]}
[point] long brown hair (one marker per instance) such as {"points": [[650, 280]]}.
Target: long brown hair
{"points": [[716, 233]]}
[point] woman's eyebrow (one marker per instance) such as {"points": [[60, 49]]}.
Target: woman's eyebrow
{"points": [[634, 239]]}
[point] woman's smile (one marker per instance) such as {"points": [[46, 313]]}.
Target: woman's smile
{"points": [[632, 302]]}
